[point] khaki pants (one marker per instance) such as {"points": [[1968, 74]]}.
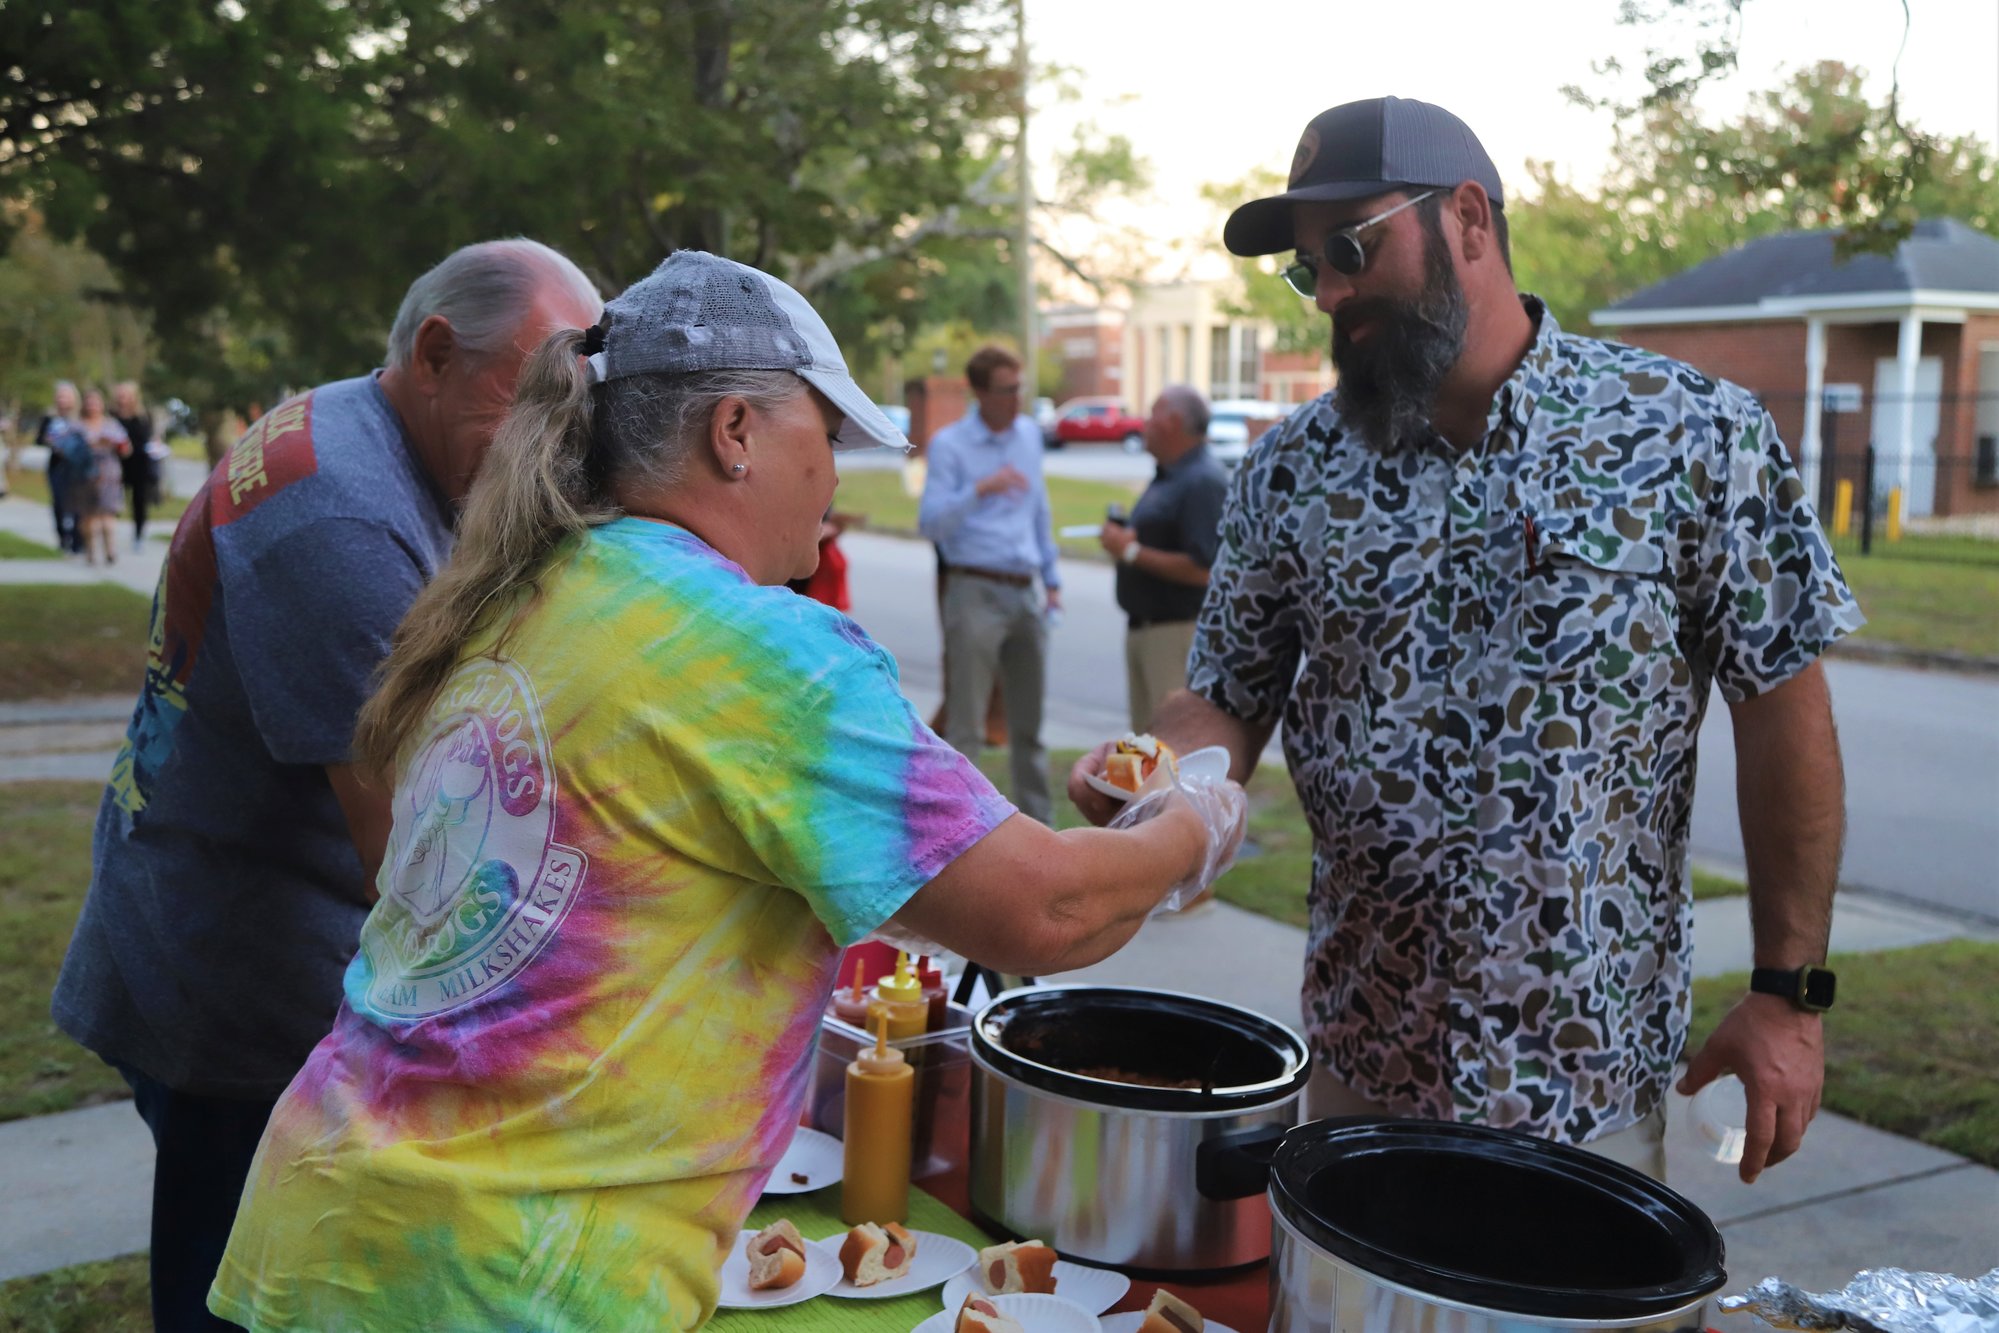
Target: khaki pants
{"points": [[1642, 1146], [995, 630], [1155, 665]]}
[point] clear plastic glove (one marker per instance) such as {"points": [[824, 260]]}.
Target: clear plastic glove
{"points": [[1224, 812]]}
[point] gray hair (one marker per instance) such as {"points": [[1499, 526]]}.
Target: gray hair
{"points": [[484, 291], [647, 426], [1185, 401]]}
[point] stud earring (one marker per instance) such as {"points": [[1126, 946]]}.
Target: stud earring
{"points": [[737, 468]]}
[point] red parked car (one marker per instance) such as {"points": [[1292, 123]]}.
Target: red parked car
{"points": [[1097, 420]]}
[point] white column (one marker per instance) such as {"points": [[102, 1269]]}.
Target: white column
{"points": [[1908, 350], [1811, 449]]}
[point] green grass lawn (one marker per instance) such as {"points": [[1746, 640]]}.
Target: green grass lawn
{"points": [[109, 1297], [58, 640], [1936, 606], [1909, 1045], [20, 548], [880, 496], [44, 870]]}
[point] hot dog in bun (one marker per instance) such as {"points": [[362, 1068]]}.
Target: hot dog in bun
{"points": [[777, 1256], [874, 1254], [1135, 758]]}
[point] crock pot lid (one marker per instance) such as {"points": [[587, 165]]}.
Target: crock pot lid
{"points": [[1319, 1146], [1285, 1050]]}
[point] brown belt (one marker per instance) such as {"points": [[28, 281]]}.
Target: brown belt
{"points": [[996, 575]]}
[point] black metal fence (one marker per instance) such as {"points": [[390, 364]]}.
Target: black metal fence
{"points": [[1938, 501]]}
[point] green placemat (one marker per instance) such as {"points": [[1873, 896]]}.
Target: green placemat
{"points": [[817, 1216]]}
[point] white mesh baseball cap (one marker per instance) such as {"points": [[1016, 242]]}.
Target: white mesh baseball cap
{"points": [[699, 312]]}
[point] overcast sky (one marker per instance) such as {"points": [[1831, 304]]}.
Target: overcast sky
{"points": [[1209, 92]]}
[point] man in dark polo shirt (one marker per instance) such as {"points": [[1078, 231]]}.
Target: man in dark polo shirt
{"points": [[1164, 553]]}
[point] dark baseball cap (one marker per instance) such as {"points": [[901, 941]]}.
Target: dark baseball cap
{"points": [[1359, 149]]}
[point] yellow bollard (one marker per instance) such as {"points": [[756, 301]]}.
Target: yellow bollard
{"points": [[1842, 509], [1894, 513]]}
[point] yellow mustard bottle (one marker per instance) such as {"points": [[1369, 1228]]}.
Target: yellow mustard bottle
{"points": [[881, 1105], [900, 999]]}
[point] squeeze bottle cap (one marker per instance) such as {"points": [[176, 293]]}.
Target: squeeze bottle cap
{"points": [[860, 977], [884, 1058], [903, 987]]}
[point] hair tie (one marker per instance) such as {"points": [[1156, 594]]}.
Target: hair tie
{"points": [[593, 340]]}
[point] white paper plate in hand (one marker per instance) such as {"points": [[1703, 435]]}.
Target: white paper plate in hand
{"points": [[1128, 1323], [822, 1272], [1095, 1289], [938, 1260], [818, 1157], [1034, 1312], [1209, 763]]}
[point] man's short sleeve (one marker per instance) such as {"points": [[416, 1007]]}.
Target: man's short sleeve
{"points": [[1774, 596], [309, 619], [1246, 642], [866, 805]]}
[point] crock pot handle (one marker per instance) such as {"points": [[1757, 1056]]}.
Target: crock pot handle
{"points": [[1237, 1164]]}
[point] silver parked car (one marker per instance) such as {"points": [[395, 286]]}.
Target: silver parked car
{"points": [[1235, 423]]}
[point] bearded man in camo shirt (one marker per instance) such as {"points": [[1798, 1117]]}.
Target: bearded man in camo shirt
{"points": [[1485, 584]]}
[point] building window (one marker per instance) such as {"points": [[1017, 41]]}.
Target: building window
{"points": [[1165, 358], [1250, 368], [1218, 359]]}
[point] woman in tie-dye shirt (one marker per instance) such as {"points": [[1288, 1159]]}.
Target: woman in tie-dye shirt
{"points": [[643, 795]]}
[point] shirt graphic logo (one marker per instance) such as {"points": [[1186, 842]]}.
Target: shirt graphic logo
{"points": [[475, 884]]}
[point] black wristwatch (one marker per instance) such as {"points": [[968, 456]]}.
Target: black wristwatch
{"points": [[1810, 988]]}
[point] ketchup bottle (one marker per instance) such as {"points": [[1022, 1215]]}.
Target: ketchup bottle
{"points": [[935, 997], [881, 1106]]}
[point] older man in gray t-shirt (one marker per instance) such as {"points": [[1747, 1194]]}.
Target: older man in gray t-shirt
{"points": [[235, 849]]}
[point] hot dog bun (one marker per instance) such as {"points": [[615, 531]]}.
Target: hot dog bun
{"points": [[777, 1256], [1167, 1313], [872, 1254], [1026, 1265], [979, 1315]]}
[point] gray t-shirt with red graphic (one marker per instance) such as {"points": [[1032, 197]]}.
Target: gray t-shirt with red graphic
{"points": [[226, 894]]}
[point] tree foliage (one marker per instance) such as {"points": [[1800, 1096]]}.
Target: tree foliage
{"points": [[266, 176], [61, 318], [1811, 153], [1693, 43]]}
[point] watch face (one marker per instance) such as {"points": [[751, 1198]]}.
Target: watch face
{"points": [[1818, 988]]}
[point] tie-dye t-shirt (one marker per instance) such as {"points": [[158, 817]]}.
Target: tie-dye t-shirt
{"points": [[627, 849]]}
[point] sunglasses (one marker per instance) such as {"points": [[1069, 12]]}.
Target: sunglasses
{"points": [[1343, 253]]}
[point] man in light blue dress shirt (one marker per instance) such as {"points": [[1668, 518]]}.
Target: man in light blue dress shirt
{"points": [[986, 507]]}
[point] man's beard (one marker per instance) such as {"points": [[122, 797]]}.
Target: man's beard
{"points": [[1388, 382]]}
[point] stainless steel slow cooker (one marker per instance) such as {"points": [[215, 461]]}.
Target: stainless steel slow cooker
{"points": [[1131, 1128], [1399, 1226]]}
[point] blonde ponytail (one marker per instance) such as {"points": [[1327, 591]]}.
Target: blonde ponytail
{"points": [[534, 489]]}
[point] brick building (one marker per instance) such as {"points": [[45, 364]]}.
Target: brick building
{"points": [[1899, 350], [1186, 333], [1090, 342]]}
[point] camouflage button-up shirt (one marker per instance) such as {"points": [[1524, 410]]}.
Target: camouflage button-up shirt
{"points": [[1491, 668]]}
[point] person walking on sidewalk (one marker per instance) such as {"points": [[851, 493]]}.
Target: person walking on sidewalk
{"points": [[141, 466], [985, 505], [1486, 584], [97, 493], [235, 849], [1163, 554], [60, 434]]}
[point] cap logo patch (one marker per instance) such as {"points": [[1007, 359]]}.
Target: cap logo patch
{"points": [[1308, 152]]}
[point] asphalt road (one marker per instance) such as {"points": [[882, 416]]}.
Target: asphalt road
{"points": [[1921, 747]]}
